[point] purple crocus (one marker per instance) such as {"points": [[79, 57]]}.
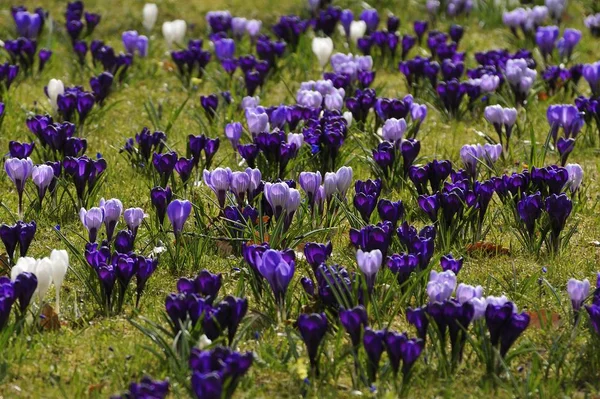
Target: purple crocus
{"points": [[219, 180], [313, 328], [25, 285], [113, 208], [578, 291], [160, 198], [277, 270], [373, 342], [92, 220], [18, 171], [354, 321], [42, 176], [178, 212], [545, 38], [316, 253], [448, 262]]}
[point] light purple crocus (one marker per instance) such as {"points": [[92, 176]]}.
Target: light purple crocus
{"points": [[130, 38], [233, 132], [238, 26], [133, 218], [113, 208], [277, 196], [92, 220], [492, 152], [240, 183], [343, 180], [310, 183], [219, 180], [441, 285], [42, 176], [578, 290], [18, 171], [253, 27], [575, 172], [465, 293], [258, 120], [470, 155], [567, 43], [393, 129], [369, 264], [178, 212], [591, 73]]}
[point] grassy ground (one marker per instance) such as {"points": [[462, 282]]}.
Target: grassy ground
{"points": [[97, 356]]}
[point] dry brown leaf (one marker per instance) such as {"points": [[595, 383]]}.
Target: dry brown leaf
{"points": [[49, 319], [483, 248], [543, 318]]}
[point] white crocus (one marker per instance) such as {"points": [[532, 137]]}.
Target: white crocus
{"points": [[54, 89], [24, 264], [149, 13], [322, 47], [174, 31], [43, 272], [357, 30], [60, 264]]}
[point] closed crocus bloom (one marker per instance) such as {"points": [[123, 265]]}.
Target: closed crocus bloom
{"points": [[253, 27], [113, 208], [130, 39], [174, 31], [53, 90], [225, 49], [310, 183], [178, 212], [545, 38], [465, 293], [394, 129], [277, 271], [133, 218], [60, 265], [567, 43], [357, 30], [369, 263], [296, 139], [575, 176], [219, 180], [578, 291], [440, 285], [373, 342], [330, 184], [18, 171], [354, 321], [343, 179], [471, 154], [257, 122], [43, 272], [149, 15], [277, 195], [240, 183], [92, 220], [25, 284], [313, 328], [233, 132], [42, 176], [492, 152], [142, 45], [322, 47]]}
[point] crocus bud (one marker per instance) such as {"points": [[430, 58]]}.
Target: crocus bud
{"points": [[357, 30], [53, 90], [149, 13], [394, 129], [343, 179], [43, 272], [92, 220], [133, 218], [42, 176], [60, 264], [113, 208], [369, 263], [322, 47], [233, 132], [174, 31], [178, 211]]}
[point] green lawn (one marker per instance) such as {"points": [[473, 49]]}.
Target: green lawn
{"points": [[92, 355]]}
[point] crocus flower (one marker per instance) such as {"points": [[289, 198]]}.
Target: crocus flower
{"points": [[219, 180], [322, 47], [53, 90], [578, 290], [113, 208], [394, 129], [160, 198], [354, 321], [357, 30], [18, 171], [178, 211], [373, 342], [277, 270], [441, 285], [343, 180], [42, 176], [369, 263], [233, 132], [545, 38], [568, 42], [149, 15], [575, 176], [313, 328], [133, 218], [92, 220], [448, 262], [310, 182], [316, 253], [60, 265], [174, 31], [25, 284]]}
